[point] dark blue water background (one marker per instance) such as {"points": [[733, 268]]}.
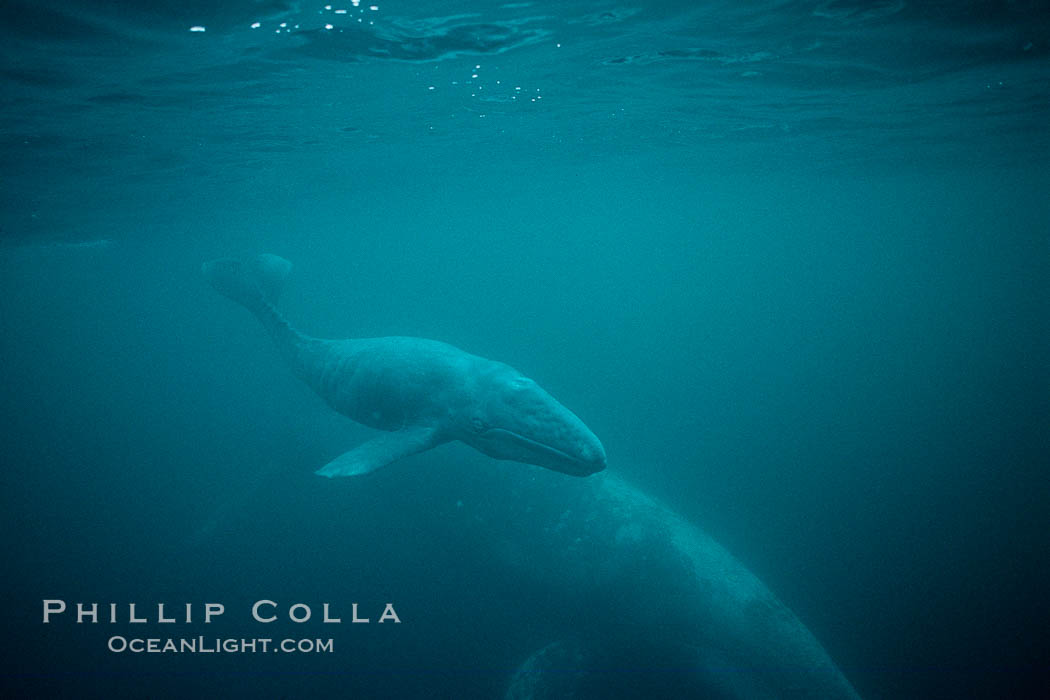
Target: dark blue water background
{"points": [[789, 260]]}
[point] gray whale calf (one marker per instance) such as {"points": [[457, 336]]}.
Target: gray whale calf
{"points": [[421, 392]]}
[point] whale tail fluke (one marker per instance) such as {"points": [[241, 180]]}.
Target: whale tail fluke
{"points": [[255, 283]]}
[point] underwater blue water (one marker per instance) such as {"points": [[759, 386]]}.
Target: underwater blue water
{"points": [[789, 260]]}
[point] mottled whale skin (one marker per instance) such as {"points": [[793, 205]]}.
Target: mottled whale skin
{"points": [[640, 602], [637, 601], [420, 392]]}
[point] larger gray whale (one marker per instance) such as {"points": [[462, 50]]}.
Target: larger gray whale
{"points": [[421, 392], [638, 602]]}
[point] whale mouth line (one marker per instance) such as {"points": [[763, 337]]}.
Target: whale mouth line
{"points": [[529, 442]]}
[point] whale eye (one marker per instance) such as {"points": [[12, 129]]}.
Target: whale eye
{"points": [[477, 424]]}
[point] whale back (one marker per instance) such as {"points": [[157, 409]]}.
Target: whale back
{"points": [[642, 584]]}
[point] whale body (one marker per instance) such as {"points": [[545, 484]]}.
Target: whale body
{"points": [[640, 603], [420, 392], [637, 602]]}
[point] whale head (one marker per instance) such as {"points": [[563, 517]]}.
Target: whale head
{"points": [[513, 418]]}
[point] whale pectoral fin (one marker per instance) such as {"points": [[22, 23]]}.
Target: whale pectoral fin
{"points": [[380, 451]]}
